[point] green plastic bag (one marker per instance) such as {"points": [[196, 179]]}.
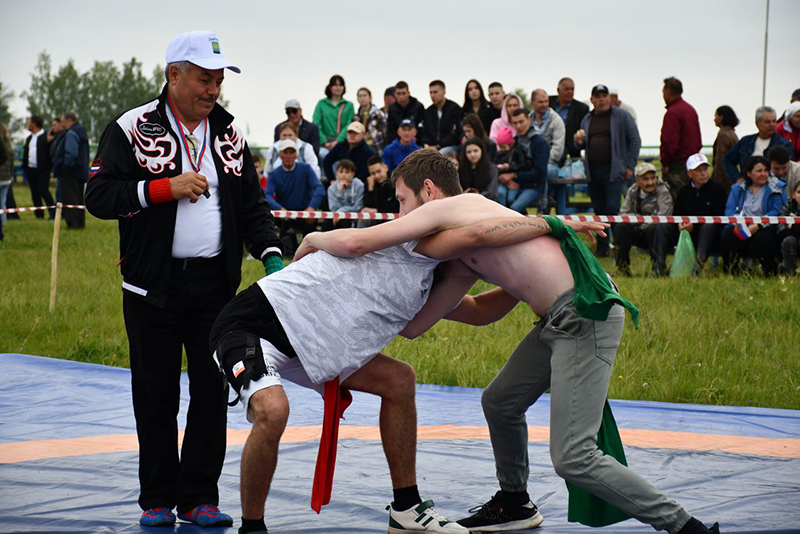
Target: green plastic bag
{"points": [[585, 508], [685, 257]]}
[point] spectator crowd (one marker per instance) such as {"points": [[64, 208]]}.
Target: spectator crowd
{"points": [[342, 159]]}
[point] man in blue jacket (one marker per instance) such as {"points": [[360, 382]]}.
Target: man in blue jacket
{"points": [[612, 144], [72, 168], [755, 144], [520, 188]]}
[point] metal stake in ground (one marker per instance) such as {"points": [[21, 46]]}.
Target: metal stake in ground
{"points": [[54, 258]]}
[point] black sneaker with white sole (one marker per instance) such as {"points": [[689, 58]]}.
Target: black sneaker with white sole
{"points": [[494, 517]]}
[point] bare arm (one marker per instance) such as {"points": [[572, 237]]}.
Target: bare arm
{"points": [[483, 309]]}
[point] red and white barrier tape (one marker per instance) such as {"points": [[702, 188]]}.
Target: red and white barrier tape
{"points": [[673, 219]]}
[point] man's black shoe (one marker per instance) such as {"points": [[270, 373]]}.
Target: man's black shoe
{"points": [[493, 517], [693, 526], [602, 252]]}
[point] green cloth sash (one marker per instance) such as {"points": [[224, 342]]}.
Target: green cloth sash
{"points": [[594, 297]]}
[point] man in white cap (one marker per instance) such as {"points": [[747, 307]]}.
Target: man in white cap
{"points": [[701, 197], [178, 175], [306, 131], [613, 93]]}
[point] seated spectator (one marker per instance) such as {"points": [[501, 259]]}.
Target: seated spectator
{"points": [[758, 195], [701, 197], [726, 120], [789, 234], [613, 93], [511, 104], [754, 145], [549, 124], [497, 97], [355, 149], [441, 127], [293, 186], [472, 126], [308, 132], [401, 147], [305, 152], [379, 194], [783, 168], [789, 128], [508, 159], [373, 120], [345, 195], [648, 196], [475, 171], [259, 165], [388, 100], [571, 112], [795, 98], [406, 107], [453, 157], [527, 185], [332, 114], [475, 102]]}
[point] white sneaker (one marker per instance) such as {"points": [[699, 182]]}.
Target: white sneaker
{"points": [[421, 518]]}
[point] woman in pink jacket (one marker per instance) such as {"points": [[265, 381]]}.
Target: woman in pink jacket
{"points": [[511, 103]]}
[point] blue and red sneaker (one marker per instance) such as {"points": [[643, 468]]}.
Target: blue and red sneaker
{"points": [[157, 517], [206, 515]]}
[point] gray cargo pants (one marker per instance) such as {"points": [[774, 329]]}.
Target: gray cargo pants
{"points": [[574, 357]]}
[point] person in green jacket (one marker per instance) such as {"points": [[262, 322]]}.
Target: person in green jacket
{"points": [[332, 115]]}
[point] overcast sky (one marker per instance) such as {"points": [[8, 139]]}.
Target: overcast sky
{"points": [[289, 50]]}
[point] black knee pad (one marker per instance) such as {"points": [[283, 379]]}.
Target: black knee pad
{"points": [[242, 360]]}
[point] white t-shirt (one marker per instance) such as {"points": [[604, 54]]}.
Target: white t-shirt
{"points": [[33, 149], [761, 146], [338, 313]]}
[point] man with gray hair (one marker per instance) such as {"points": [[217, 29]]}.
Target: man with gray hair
{"points": [[757, 144], [178, 176]]}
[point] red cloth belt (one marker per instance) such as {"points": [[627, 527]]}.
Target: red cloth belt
{"points": [[337, 399]]}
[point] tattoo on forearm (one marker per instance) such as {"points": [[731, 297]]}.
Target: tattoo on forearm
{"points": [[522, 223]]}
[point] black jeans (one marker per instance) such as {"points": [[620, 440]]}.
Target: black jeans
{"points": [[705, 238], [763, 246], [606, 198], [39, 184], [72, 193], [657, 238], [197, 293]]}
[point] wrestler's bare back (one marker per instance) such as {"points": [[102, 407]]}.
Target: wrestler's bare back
{"points": [[534, 271]]}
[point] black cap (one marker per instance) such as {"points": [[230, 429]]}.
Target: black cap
{"points": [[407, 122], [599, 88]]}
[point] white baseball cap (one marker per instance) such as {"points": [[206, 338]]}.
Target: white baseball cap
{"points": [[198, 47], [287, 143], [695, 160]]}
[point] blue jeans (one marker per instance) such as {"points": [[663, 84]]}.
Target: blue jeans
{"points": [[3, 193], [519, 199], [606, 198]]}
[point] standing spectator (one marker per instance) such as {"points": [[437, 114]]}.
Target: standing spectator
{"points": [[757, 144], [36, 165], [475, 102], [388, 100], [401, 147], [571, 112], [758, 195], [789, 234], [701, 197], [355, 149], [549, 124], [181, 261], [511, 103], [615, 101], [405, 107], [789, 128], [523, 185], [54, 137], [332, 114], [497, 97], [308, 132], [379, 193], [72, 168], [305, 152], [345, 195], [373, 119], [783, 168], [648, 196], [726, 120], [612, 149], [441, 127], [472, 126], [6, 171], [475, 171], [680, 136]]}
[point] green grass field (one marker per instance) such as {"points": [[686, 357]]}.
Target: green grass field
{"points": [[711, 340]]}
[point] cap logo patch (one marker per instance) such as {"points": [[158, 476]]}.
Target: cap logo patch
{"points": [[215, 46], [151, 129]]}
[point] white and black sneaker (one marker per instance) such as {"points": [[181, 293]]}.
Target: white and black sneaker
{"points": [[421, 518], [493, 517]]}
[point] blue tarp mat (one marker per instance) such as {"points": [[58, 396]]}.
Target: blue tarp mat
{"points": [[46, 399]]}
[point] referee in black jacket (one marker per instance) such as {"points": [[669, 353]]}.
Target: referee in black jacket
{"points": [[177, 174]]}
